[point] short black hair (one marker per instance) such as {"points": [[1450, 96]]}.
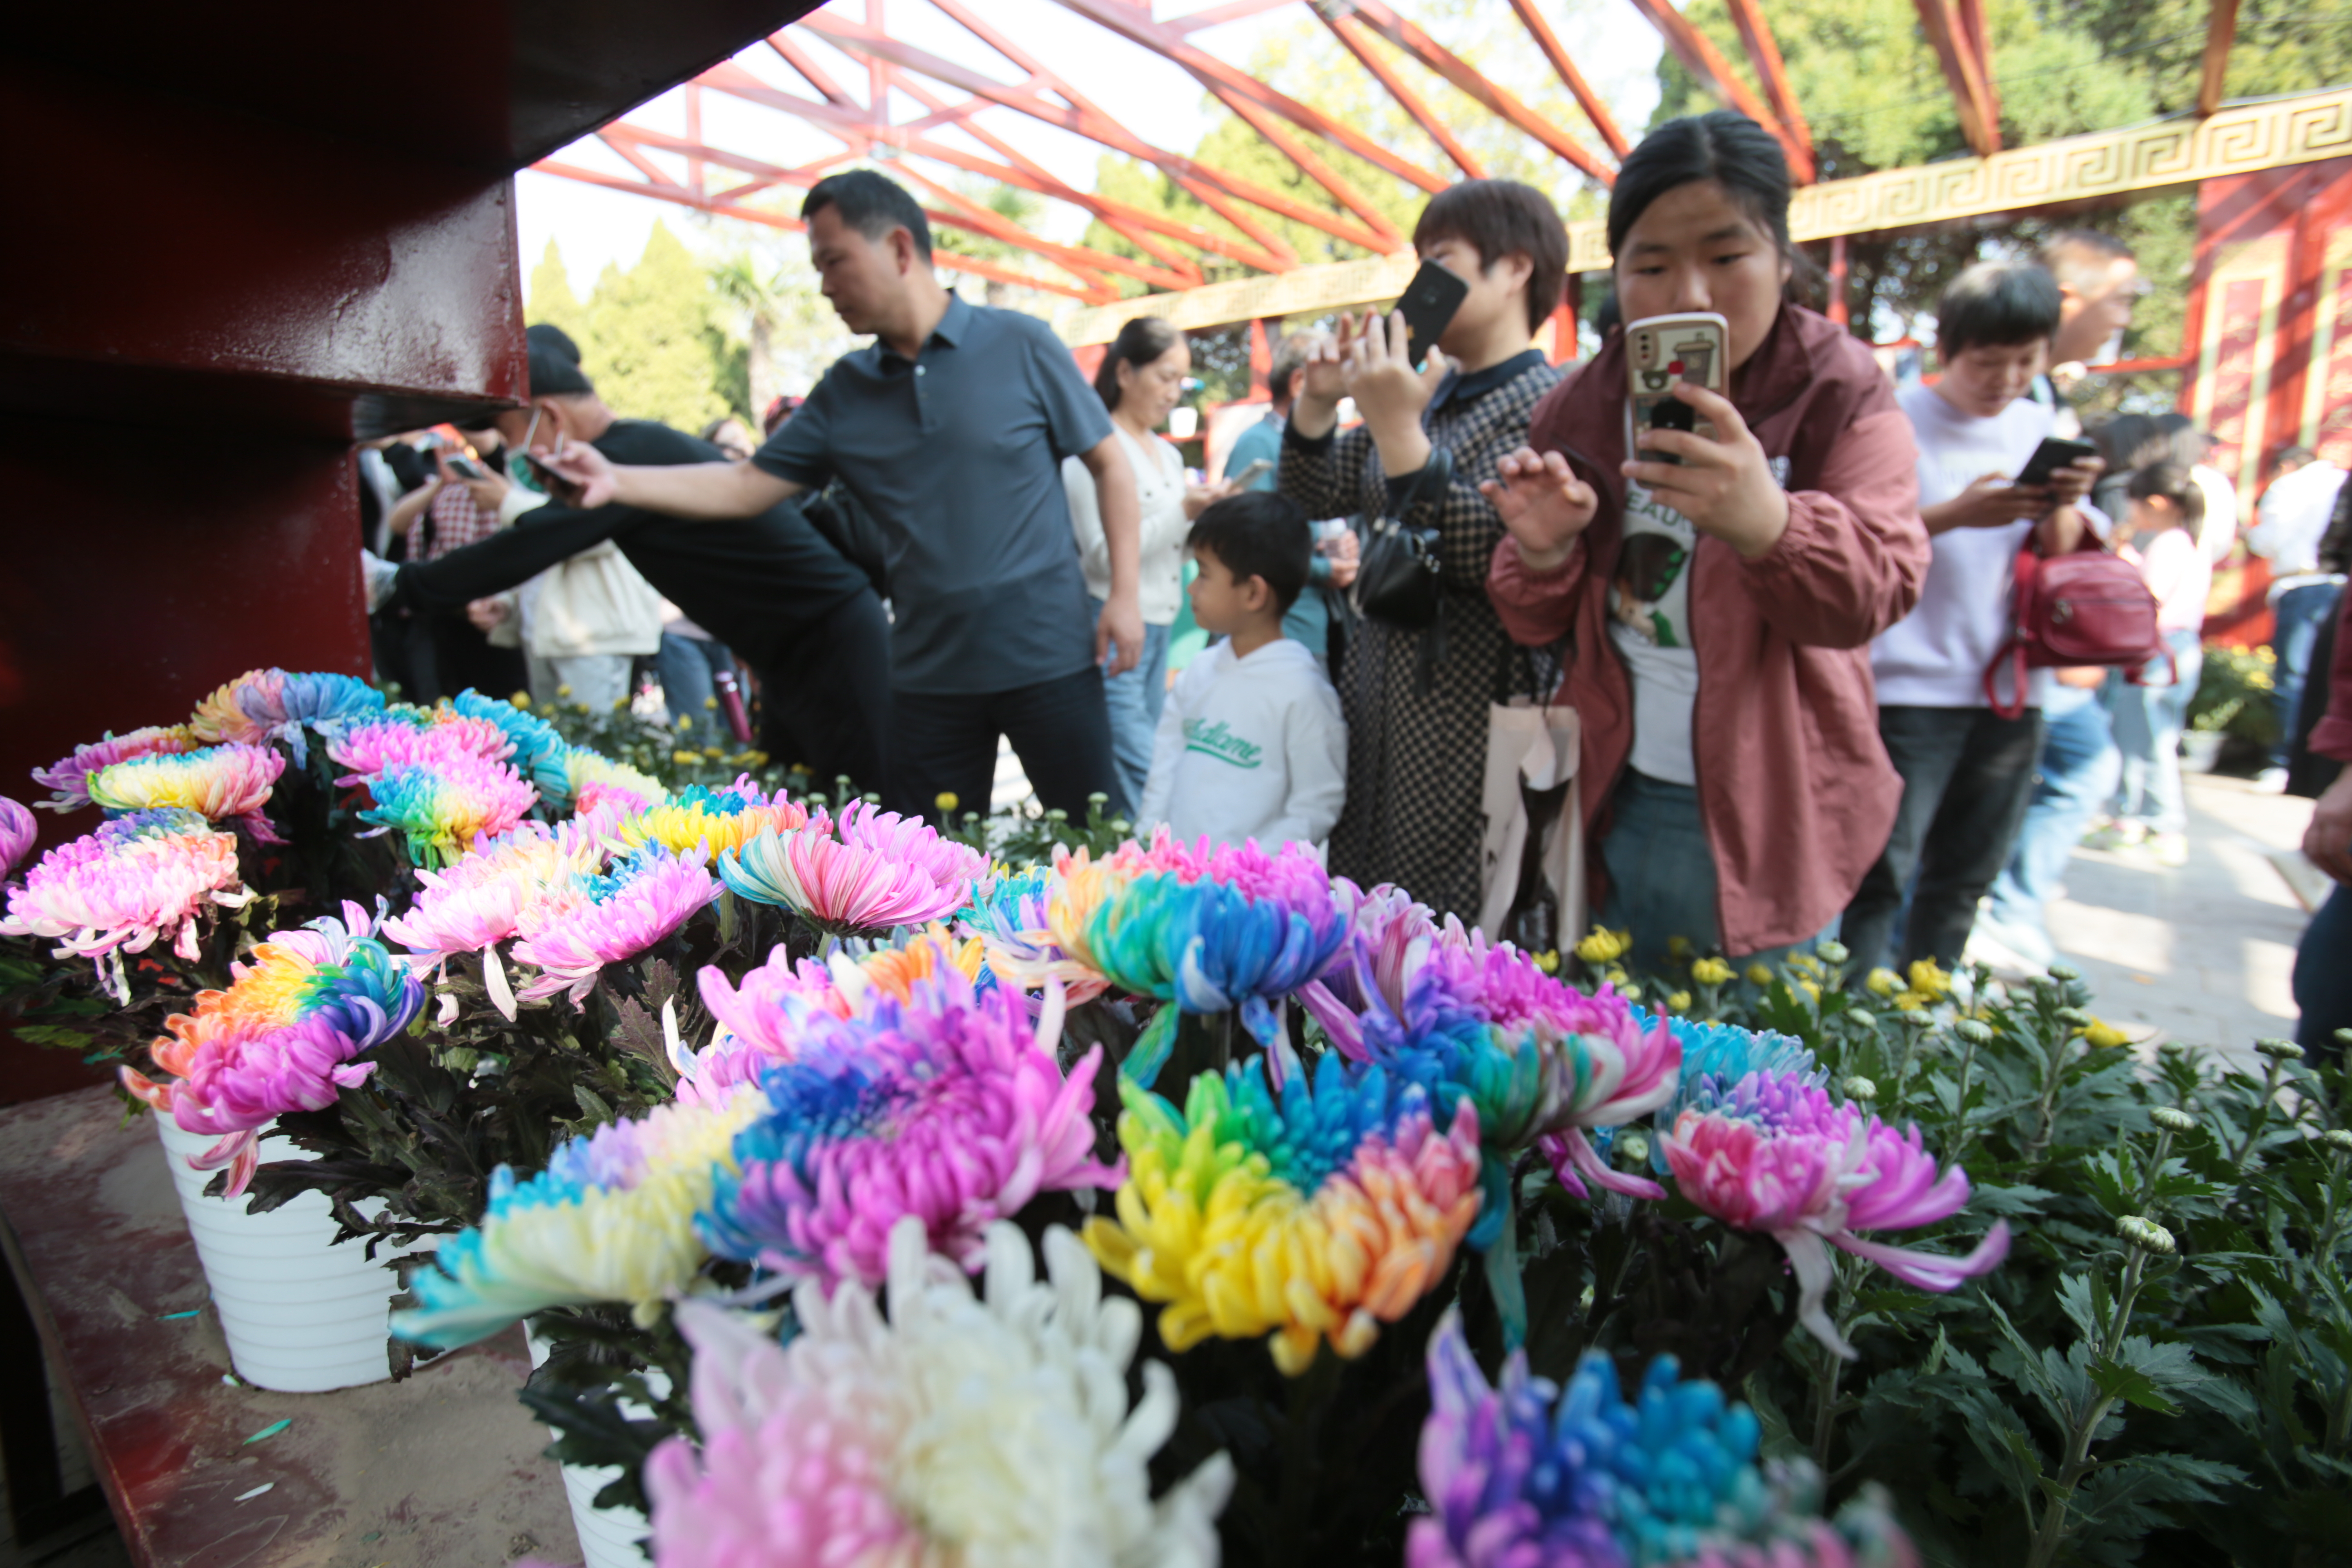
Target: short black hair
{"points": [[1997, 304], [1258, 534], [554, 361], [2176, 484], [1142, 340], [1500, 218], [871, 204], [1725, 147]]}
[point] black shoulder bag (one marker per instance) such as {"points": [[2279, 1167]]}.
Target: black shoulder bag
{"points": [[1398, 580]]}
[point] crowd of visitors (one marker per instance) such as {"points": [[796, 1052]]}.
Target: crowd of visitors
{"points": [[1788, 629]]}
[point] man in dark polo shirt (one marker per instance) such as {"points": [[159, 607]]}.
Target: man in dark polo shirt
{"points": [[951, 428], [768, 585]]}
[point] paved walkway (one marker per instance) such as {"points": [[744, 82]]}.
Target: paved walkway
{"points": [[2200, 954]]}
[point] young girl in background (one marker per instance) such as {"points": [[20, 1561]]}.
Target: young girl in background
{"points": [[2160, 536]]}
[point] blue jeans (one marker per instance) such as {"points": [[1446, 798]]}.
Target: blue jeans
{"points": [[2076, 771], [2298, 616], [2149, 721], [1134, 699], [2323, 977], [1662, 875], [689, 691]]}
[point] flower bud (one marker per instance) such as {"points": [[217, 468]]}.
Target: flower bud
{"points": [[1678, 1002], [1861, 1017], [2064, 973], [1757, 975], [1833, 951], [2279, 1050], [1711, 972], [1859, 1089], [946, 800], [2146, 1234], [2171, 1119], [1633, 1146], [2337, 1138], [1973, 1031], [2074, 1018]]}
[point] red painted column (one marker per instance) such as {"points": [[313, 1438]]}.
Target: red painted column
{"points": [[184, 360]]}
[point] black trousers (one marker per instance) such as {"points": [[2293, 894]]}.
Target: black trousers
{"points": [[1968, 775], [945, 744], [824, 697]]}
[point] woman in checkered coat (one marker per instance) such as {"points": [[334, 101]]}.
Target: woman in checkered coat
{"points": [[1417, 722]]}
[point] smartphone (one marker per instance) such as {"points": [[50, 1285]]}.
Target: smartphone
{"points": [[1429, 302], [559, 487], [1663, 350], [1256, 472], [2052, 455], [465, 468]]}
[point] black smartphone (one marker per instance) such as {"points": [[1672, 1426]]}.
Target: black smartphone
{"points": [[1429, 302], [467, 469], [2052, 455], [559, 487]]}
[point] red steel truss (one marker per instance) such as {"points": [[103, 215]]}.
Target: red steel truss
{"points": [[956, 99]]}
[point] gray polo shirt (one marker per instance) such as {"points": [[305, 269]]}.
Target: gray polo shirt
{"points": [[958, 455]]}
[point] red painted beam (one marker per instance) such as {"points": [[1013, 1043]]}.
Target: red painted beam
{"points": [[1705, 61], [2221, 32], [1352, 33], [1976, 34], [1137, 28], [1594, 109], [1979, 123], [1465, 76], [1210, 17], [1095, 126], [1764, 54]]}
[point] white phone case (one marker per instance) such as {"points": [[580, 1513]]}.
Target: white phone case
{"points": [[1663, 350]]}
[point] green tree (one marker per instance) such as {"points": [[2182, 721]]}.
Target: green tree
{"points": [[656, 348], [551, 299]]}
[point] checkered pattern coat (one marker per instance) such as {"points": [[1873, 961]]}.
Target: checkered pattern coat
{"points": [[1417, 763]]}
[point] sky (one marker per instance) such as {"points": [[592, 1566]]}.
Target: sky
{"points": [[1151, 97]]}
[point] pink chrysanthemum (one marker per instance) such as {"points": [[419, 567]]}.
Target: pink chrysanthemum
{"points": [[18, 831], [444, 807], [390, 742], [136, 880], [571, 934], [1775, 1155], [67, 778], [868, 873]]}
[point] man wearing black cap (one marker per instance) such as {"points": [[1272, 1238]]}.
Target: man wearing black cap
{"points": [[766, 585]]}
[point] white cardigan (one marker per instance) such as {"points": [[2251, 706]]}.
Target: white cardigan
{"points": [[1158, 472]]}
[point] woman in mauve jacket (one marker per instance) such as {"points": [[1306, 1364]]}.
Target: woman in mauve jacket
{"points": [[1719, 609]]}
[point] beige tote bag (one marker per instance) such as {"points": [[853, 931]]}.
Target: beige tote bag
{"points": [[1532, 750]]}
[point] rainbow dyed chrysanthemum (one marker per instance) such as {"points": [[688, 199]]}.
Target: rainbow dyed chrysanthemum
{"points": [[541, 754], [137, 879], [444, 807], [1530, 1475], [67, 778], [415, 738], [221, 784], [479, 899], [281, 1038], [703, 822], [610, 1219], [947, 1105], [263, 705], [1317, 1213]]}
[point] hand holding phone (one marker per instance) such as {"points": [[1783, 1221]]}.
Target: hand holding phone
{"points": [[1429, 303], [464, 467], [1662, 351], [1253, 473], [2052, 455]]}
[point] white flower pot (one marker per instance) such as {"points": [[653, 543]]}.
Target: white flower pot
{"points": [[608, 1536], [300, 1315]]}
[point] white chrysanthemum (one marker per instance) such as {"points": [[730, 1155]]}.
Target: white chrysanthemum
{"points": [[980, 1432]]}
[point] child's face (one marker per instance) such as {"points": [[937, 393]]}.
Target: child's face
{"points": [[1219, 604], [1985, 378]]}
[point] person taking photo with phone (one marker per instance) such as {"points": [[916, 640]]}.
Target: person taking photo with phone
{"points": [[1718, 592], [1417, 722], [1968, 770]]}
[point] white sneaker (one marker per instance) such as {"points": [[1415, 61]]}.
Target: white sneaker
{"points": [[2271, 781]]}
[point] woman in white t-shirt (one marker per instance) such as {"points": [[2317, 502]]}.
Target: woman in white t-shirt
{"points": [[1140, 380]]}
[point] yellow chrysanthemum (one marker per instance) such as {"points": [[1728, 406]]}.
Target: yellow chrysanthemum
{"points": [[1711, 972], [1604, 946], [1883, 982]]}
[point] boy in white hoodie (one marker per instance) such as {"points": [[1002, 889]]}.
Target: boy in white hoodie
{"points": [[1251, 744]]}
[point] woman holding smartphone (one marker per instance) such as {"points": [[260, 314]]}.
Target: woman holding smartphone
{"points": [[1719, 588], [1417, 721]]}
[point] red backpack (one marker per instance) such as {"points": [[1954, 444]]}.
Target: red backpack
{"points": [[2088, 607]]}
